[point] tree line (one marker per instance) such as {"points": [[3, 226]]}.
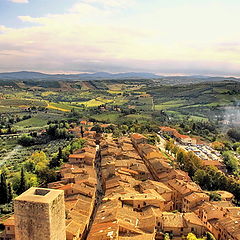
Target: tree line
{"points": [[208, 177]]}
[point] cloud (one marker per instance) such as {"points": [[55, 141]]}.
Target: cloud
{"points": [[19, 1], [112, 3], [99, 35], [3, 28]]}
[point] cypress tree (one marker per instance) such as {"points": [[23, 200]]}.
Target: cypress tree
{"points": [[60, 155], [3, 189], [56, 161], [82, 131], [10, 193], [22, 186]]}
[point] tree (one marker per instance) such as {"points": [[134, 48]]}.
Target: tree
{"points": [[234, 133], [180, 157], [200, 177], [22, 186], [215, 196], [230, 161], [59, 156], [26, 140], [31, 180], [37, 161], [236, 146], [56, 160], [238, 150], [47, 175], [191, 236], [152, 139], [10, 193], [218, 146], [210, 236], [2, 227], [3, 189], [174, 149], [167, 146], [82, 131], [166, 236], [97, 128]]}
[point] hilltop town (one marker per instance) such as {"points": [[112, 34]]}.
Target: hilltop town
{"points": [[119, 120], [128, 187]]}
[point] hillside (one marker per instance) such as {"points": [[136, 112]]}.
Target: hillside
{"points": [[159, 80], [25, 75]]}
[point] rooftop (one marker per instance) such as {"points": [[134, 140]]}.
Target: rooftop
{"points": [[39, 195]]}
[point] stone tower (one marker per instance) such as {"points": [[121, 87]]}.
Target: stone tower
{"points": [[40, 215]]}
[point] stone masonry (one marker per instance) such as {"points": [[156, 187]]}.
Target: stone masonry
{"points": [[40, 214]]}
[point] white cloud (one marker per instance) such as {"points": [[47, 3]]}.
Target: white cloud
{"points": [[112, 3], [94, 35], [19, 1], [3, 28]]}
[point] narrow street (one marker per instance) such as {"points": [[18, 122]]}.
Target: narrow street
{"points": [[97, 166], [99, 190]]}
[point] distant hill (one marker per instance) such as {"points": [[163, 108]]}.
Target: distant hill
{"points": [[25, 75], [179, 80], [162, 80]]}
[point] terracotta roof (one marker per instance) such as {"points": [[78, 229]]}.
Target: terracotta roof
{"points": [[80, 155], [183, 187], [175, 133], [178, 135], [9, 221], [129, 171], [66, 187], [212, 163], [225, 194], [167, 129], [231, 225], [158, 186], [105, 125], [143, 236], [173, 174], [173, 220], [193, 218], [74, 228], [233, 212], [196, 196], [138, 136]]}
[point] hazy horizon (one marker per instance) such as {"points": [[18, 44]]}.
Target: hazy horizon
{"points": [[94, 72], [180, 37]]}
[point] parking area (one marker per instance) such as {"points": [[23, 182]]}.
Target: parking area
{"points": [[204, 152]]}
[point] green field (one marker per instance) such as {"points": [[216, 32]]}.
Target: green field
{"points": [[139, 117], [170, 104], [134, 99], [22, 103], [108, 117], [38, 121]]}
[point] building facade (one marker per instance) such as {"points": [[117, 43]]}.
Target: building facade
{"points": [[40, 214]]}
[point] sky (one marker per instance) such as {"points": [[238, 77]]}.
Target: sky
{"points": [[170, 37]]}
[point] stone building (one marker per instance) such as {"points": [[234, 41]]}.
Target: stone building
{"points": [[40, 214]]}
